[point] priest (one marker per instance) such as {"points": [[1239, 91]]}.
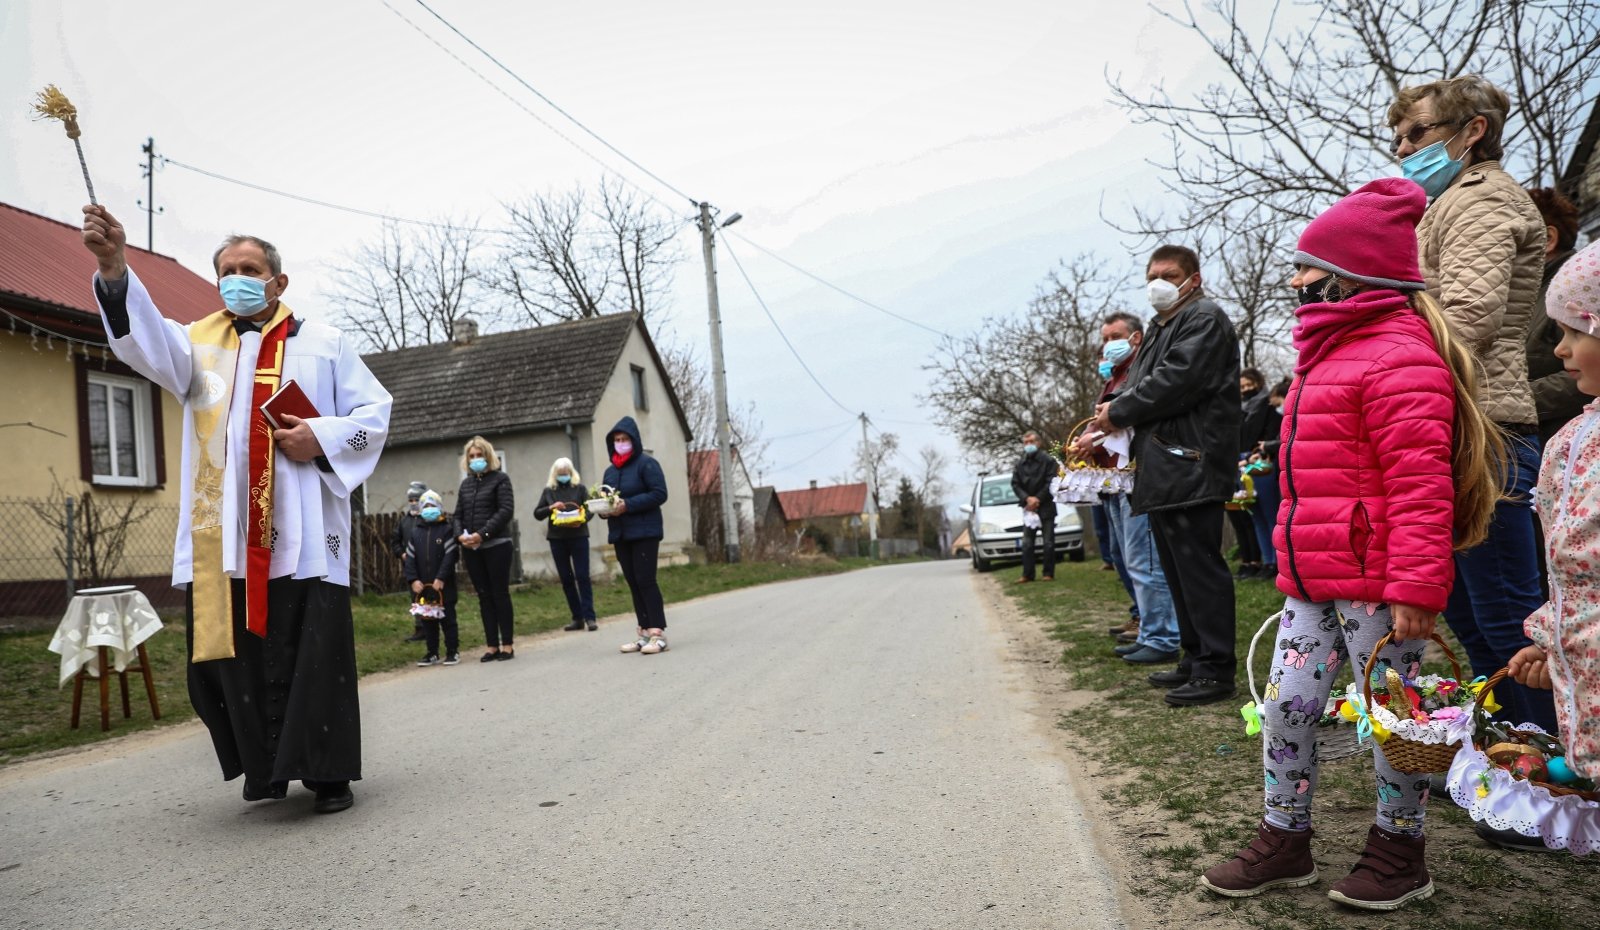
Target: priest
{"points": [[264, 543]]}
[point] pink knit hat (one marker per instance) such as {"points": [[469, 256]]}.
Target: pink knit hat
{"points": [[1573, 297], [1370, 236]]}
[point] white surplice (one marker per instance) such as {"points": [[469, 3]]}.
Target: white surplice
{"points": [[310, 507]]}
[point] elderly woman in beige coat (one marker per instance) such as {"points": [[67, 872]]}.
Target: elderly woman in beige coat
{"points": [[1482, 246]]}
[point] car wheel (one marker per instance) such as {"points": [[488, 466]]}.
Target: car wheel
{"points": [[981, 564]]}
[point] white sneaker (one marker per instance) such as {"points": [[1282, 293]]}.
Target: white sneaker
{"points": [[654, 645], [638, 644]]}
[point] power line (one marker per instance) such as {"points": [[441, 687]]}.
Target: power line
{"points": [[808, 432], [825, 447], [554, 106], [774, 320], [829, 284]]}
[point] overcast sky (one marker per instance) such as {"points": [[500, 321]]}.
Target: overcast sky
{"points": [[935, 158]]}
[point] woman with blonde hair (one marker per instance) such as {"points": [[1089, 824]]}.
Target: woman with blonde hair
{"points": [[561, 506], [484, 508]]}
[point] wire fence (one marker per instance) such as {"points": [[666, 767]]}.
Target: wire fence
{"points": [[55, 545]]}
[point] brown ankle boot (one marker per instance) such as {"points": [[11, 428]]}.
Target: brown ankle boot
{"points": [[1390, 872], [1274, 859]]}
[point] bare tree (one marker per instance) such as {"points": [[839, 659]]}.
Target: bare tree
{"points": [[873, 466], [98, 530], [1299, 117], [575, 255], [1033, 371], [1249, 277], [411, 286]]}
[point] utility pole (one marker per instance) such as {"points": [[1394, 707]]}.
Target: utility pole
{"points": [[719, 385], [149, 203], [870, 476]]}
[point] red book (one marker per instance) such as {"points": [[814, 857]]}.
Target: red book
{"points": [[291, 400]]}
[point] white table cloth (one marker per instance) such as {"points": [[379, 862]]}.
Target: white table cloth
{"points": [[121, 620]]}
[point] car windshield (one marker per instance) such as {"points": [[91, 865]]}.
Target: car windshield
{"points": [[996, 492]]}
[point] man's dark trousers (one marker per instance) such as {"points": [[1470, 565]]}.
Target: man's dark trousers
{"points": [[1047, 526], [1189, 544]]}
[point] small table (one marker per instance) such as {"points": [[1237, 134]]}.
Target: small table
{"points": [[104, 623]]}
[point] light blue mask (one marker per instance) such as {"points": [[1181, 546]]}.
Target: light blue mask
{"points": [[1029, 449], [1106, 368], [1432, 167], [1116, 350], [478, 465], [564, 479], [431, 513], [243, 295]]}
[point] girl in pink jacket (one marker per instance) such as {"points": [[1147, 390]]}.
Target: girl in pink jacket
{"points": [[1566, 631], [1383, 472]]}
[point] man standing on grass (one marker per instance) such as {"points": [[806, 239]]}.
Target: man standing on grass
{"points": [[263, 539], [1182, 403], [1030, 480]]}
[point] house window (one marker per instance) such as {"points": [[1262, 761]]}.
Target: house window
{"points": [[641, 401], [120, 433]]}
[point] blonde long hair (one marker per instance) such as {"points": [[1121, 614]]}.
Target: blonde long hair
{"points": [[484, 446], [562, 465], [1478, 457]]}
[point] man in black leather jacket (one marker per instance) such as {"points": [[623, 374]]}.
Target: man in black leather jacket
{"points": [[1030, 479], [1182, 402]]}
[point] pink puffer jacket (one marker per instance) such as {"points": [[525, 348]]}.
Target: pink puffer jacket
{"points": [[1368, 498]]}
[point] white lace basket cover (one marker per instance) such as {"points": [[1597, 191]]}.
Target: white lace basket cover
{"points": [[1566, 821], [1085, 485]]}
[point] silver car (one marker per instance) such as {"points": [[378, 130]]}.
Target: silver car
{"points": [[994, 524]]}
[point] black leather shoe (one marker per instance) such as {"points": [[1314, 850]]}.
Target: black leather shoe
{"points": [[1511, 839], [274, 791], [333, 797], [591, 625], [1201, 691], [1128, 649], [505, 655], [1176, 678], [574, 626]]}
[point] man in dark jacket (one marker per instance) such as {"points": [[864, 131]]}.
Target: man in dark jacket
{"points": [[1030, 480], [636, 530], [1182, 402], [401, 536]]}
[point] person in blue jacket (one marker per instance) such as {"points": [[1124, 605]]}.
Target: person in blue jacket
{"points": [[636, 530]]}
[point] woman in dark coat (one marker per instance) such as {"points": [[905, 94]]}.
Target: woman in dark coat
{"points": [[562, 506], [483, 513], [636, 530]]}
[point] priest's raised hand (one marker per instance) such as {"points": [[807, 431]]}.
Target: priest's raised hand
{"points": [[105, 237]]}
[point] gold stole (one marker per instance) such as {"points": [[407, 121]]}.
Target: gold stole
{"points": [[215, 357]]}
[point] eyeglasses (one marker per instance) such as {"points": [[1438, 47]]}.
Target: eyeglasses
{"points": [[1415, 133]]}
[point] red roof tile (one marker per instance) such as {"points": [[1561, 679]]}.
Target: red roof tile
{"points": [[43, 261], [705, 472], [839, 500]]}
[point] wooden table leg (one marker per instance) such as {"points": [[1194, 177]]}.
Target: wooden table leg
{"points": [[149, 682], [77, 696], [122, 679], [105, 689]]}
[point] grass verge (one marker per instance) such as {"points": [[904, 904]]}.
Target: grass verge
{"points": [[1182, 789], [34, 713]]}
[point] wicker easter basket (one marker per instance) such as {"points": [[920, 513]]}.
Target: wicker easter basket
{"points": [[1413, 757], [1083, 481], [1478, 744], [1334, 741]]}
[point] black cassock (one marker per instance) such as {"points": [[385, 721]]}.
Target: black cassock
{"points": [[284, 708]]}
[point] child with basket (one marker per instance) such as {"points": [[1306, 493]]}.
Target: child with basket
{"points": [[430, 566], [1384, 457]]}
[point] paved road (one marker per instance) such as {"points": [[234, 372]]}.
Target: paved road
{"points": [[840, 752]]}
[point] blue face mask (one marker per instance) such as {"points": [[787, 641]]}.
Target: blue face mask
{"points": [[1432, 167], [1106, 368], [431, 513], [564, 479], [1029, 449], [1116, 350], [243, 295], [478, 465]]}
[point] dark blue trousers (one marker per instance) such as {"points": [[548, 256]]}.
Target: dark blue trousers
{"points": [[572, 564]]}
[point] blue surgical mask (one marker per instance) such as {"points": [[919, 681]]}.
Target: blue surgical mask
{"points": [[1106, 368], [564, 479], [478, 465], [431, 513], [1432, 167], [1116, 350], [1029, 449], [243, 295]]}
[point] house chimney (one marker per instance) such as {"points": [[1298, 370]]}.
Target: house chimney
{"points": [[813, 484], [466, 330]]}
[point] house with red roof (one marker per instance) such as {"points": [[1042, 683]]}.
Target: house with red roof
{"points": [[841, 517], [78, 422]]}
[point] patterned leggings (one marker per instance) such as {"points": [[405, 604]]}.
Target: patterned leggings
{"points": [[1314, 641]]}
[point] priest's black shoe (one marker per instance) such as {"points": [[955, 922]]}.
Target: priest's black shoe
{"points": [[1173, 679], [1200, 691], [273, 791], [332, 796]]}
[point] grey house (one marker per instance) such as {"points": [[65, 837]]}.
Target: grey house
{"points": [[537, 394]]}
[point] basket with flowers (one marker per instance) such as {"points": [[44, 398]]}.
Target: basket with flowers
{"points": [[603, 500]]}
